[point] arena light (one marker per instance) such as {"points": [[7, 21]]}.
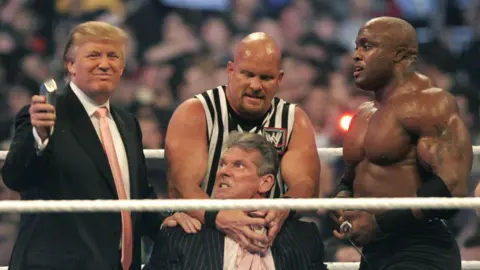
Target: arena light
{"points": [[345, 121]]}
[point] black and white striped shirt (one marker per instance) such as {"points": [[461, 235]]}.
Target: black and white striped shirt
{"points": [[276, 127]]}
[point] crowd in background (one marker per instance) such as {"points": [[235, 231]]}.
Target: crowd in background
{"points": [[181, 48]]}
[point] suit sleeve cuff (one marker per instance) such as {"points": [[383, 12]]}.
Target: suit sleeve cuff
{"points": [[39, 145]]}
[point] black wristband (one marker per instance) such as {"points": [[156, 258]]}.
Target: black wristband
{"points": [[436, 187], [340, 188], [395, 221], [210, 217], [292, 212]]}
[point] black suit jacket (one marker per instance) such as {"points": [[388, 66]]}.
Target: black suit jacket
{"points": [[74, 166], [297, 247]]}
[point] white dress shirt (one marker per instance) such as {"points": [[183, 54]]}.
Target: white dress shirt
{"points": [[91, 107]]}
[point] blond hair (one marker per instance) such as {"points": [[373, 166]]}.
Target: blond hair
{"points": [[93, 31]]}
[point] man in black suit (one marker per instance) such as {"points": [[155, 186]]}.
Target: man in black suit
{"points": [[83, 149], [246, 170]]}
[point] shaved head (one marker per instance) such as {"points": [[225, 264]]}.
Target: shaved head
{"points": [[254, 75], [385, 46], [397, 32], [261, 46]]}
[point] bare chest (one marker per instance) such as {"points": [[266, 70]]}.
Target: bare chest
{"points": [[378, 137]]}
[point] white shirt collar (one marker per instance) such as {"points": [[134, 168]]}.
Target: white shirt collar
{"points": [[90, 106]]}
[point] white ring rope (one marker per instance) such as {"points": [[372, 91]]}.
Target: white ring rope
{"points": [[323, 152], [43, 206], [466, 265]]}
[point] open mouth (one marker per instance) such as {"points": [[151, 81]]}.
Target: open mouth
{"points": [[223, 185]]}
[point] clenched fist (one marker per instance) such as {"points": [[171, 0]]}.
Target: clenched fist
{"points": [[42, 116]]}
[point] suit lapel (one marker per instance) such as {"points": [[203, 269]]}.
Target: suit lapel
{"points": [[277, 257], [130, 149], [81, 127], [214, 243], [281, 245]]}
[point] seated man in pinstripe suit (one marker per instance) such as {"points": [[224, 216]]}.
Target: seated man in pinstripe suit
{"points": [[246, 170]]}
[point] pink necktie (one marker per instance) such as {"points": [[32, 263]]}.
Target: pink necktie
{"points": [[249, 261], [109, 148]]}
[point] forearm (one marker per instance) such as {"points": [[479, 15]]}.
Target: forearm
{"points": [[22, 165], [344, 189], [192, 192], [301, 189], [456, 184]]}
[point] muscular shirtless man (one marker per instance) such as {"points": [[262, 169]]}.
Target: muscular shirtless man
{"points": [[200, 126], [409, 142]]}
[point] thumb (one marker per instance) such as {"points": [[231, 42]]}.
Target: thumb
{"points": [[258, 213], [171, 223], [256, 221], [339, 235], [271, 215]]}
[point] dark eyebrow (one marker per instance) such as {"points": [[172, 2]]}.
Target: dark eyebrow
{"points": [[362, 40]]}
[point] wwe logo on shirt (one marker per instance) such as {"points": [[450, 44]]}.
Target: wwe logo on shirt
{"points": [[276, 136]]}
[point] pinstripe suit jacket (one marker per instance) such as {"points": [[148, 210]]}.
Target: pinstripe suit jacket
{"points": [[297, 247]]}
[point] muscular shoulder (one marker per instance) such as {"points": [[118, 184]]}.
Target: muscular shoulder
{"points": [[301, 119], [192, 105], [428, 99], [190, 112], [429, 107], [187, 128], [302, 133], [365, 110]]}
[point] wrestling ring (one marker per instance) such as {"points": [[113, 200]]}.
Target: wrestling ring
{"points": [[299, 204]]}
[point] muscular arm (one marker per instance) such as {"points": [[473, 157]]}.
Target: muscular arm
{"points": [[187, 154], [444, 146], [344, 188], [444, 149], [300, 165]]}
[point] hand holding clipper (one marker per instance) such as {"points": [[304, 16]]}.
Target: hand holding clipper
{"points": [[42, 109], [48, 89], [346, 227]]}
